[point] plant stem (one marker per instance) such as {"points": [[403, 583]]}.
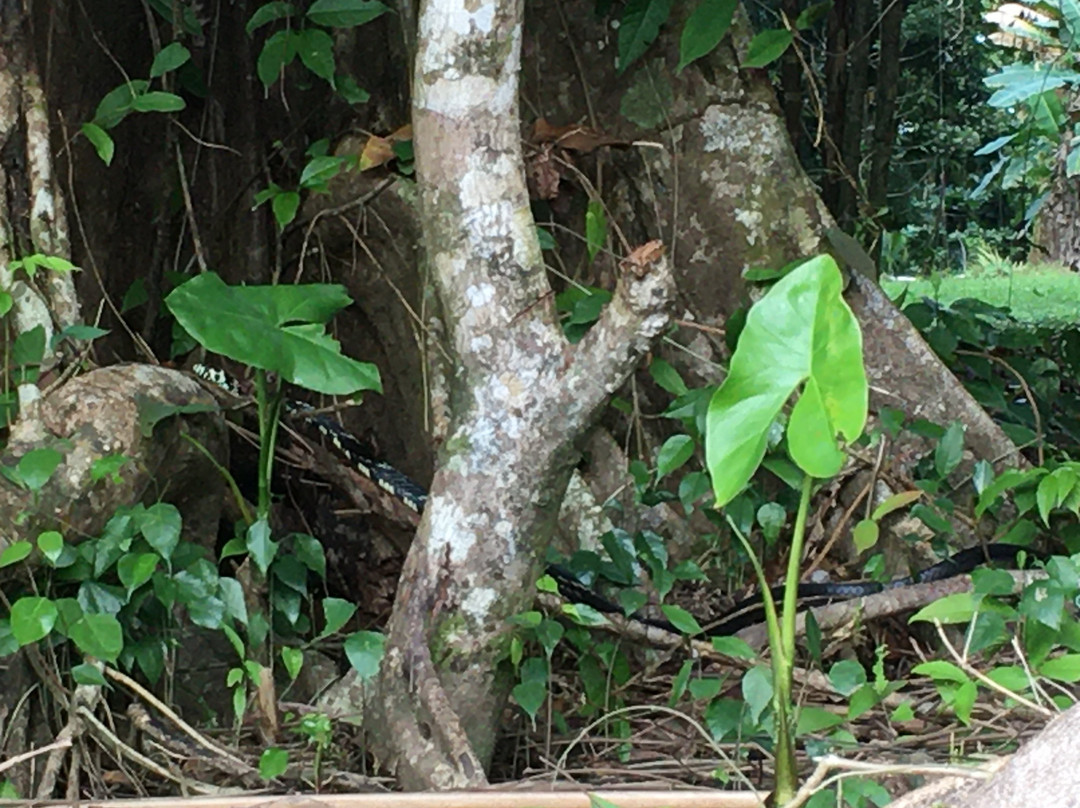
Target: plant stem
{"points": [[269, 405], [787, 780]]}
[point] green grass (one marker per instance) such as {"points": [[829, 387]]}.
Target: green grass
{"points": [[1041, 295]]}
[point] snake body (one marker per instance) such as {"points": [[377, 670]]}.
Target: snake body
{"points": [[744, 613]]}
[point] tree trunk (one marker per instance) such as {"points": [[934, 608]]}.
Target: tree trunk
{"points": [[837, 43], [521, 398], [888, 82], [791, 90], [1045, 772], [1057, 231], [849, 192]]}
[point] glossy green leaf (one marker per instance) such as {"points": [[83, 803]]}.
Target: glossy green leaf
{"points": [[1044, 602], [815, 719], [87, 674], [29, 347], [801, 333], [932, 519], [733, 647], [680, 682], [32, 618], [116, 105], [158, 101], [812, 14], [595, 227], [772, 517], [530, 697], [950, 450], [101, 141], [895, 503], [309, 551], [706, 688], [180, 16], [108, 466], [320, 170], [345, 13], [260, 546], [673, 454], [36, 467], [767, 46], [963, 701], [584, 615], [350, 91], [667, 377], [97, 597], [364, 650], [757, 690], [1064, 668], [1012, 677], [692, 487], [1008, 480], [865, 534], [273, 762], [293, 660], [704, 29], [941, 670], [267, 13], [847, 676], [956, 608], [681, 619], [160, 524], [316, 50], [98, 635], [169, 58], [547, 241], [1070, 16], [1018, 82], [255, 325], [135, 569], [231, 595], [285, 206], [337, 612], [15, 552], [639, 27], [277, 53]]}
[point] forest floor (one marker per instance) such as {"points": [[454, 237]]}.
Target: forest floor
{"points": [[1040, 294]]}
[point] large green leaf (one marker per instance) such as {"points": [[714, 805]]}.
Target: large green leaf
{"points": [[767, 46], [639, 27], [801, 333], [704, 29], [1018, 82], [275, 328]]}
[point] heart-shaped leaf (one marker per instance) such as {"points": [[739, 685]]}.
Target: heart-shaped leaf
{"points": [[801, 333]]}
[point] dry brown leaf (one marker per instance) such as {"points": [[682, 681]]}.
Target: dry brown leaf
{"points": [[379, 151], [573, 137], [643, 257]]}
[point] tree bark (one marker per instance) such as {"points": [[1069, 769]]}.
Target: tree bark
{"points": [[1045, 772], [791, 90], [1057, 234], [520, 400], [837, 43], [887, 85], [849, 190]]}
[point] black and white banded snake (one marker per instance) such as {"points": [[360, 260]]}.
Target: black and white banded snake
{"points": [[744, 613]]}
